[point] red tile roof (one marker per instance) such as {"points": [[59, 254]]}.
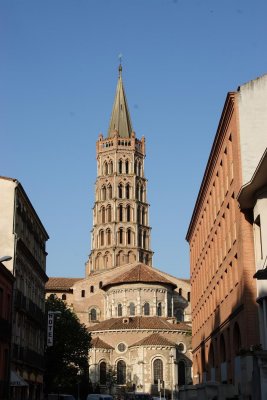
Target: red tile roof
{"points": [[139, 273], [154, 340], [143, 323], [54, 283], [100, 344]]}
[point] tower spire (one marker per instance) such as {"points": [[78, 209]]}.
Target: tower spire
{"points": [[120, 120]]}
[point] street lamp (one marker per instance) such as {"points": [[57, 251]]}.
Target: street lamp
{"points": [[79, 373], [5, 258]]}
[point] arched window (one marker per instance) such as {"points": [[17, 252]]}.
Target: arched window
{"points": [[108, 237], [127, 167], [103, 214], [137, 192], [128, 213], [143, 216], [144, 240], [105, 168], [142, 198], [109, 192], [109, 213], [159, 310], [129, 236], [120, 213], [103, 193], [146, 309], [110, 167], [103, 373], [121, 372], [180, 292], [222, 349], [138, 214], [127, 191], [179, 315], [140, 238], [236, 338], [139, 169], [120, 167], [132, 309], [101, 233], [121, 236], [63, 297], [120, 191], [119, 310], [181, 373], [157, 370], [211, 356], [93, 315]]}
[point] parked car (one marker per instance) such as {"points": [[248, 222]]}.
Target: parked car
{"points": [[57, 396], [138, 396], [95, 396]]}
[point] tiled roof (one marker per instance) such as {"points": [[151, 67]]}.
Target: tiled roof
{"points": [[60, 283], [154, 340], [139, 273], [100, 344], [143, 323]]}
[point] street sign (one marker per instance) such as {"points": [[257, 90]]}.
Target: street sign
{"points": [[50, 329]]}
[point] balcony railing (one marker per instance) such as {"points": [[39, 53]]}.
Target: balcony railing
{"points": [[26, 305]]}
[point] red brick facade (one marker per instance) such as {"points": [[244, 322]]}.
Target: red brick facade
{"points": [[224, 314]]}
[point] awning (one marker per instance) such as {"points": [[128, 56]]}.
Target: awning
{"points": [[17, 380]]}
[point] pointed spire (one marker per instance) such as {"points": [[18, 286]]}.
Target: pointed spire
{"points": [[120, 118]]}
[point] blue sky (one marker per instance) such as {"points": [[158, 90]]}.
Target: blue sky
{"points": [[58, 75]]}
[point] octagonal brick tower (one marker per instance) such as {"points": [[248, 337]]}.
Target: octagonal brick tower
{"points": [[121, 231]]}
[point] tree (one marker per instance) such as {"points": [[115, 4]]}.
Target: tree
{"points": [[67, 359]]}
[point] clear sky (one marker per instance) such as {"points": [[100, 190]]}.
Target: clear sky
{"points": [[58, 74]]}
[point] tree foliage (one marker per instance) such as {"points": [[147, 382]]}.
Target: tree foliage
{"points": [[67, 359]]}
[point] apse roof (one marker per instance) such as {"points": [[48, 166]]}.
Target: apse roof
{"points": [[139, 322], [139, 273], [154, 340], [100, 344]]}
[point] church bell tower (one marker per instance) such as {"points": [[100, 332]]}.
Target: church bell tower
{"points": [[121, 231]]}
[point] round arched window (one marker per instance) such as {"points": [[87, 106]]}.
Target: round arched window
{"points": [[121, 347], [181, 348]]}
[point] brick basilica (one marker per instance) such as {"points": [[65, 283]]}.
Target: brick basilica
{"points": [[139, 316]]}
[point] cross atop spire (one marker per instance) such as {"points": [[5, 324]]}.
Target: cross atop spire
{"points": [[120, 120]]}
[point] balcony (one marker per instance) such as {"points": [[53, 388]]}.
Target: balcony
{"points": [[22, 303], [28, 356]]}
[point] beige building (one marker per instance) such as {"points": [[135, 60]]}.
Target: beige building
{"points": [[139, 316], [23, 237]]}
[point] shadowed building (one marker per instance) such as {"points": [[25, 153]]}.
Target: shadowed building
{"points": [[225, 325], [23, 237], [139, 316]]}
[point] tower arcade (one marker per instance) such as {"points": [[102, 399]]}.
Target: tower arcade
{"points": [[121, 231]]}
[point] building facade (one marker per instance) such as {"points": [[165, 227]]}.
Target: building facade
{"points": [[6, 295], [225, 328], [23, 237], [139, 316], [252, 199]]}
